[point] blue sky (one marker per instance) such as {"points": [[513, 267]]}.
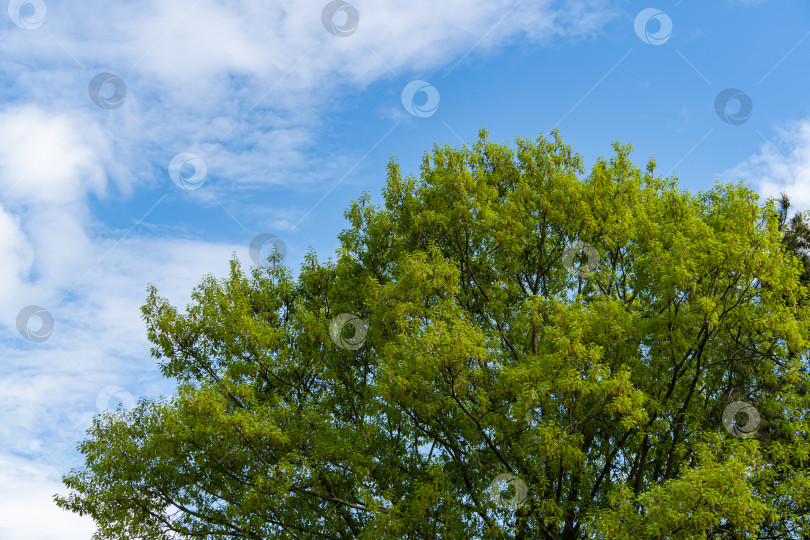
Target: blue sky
{"points": [[290, 123]]}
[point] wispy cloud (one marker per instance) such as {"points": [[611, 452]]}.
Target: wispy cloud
{"points": [[781, 165], [23, 515]]}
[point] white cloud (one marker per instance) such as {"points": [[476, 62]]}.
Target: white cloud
{"points": [[221, 75], [47, 169], [16, 253], [45, 159], [29, 513], [27, 510], [185, 43], [773, 171]]}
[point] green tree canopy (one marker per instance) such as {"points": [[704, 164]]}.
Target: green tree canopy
{"points": [[632, 354]]}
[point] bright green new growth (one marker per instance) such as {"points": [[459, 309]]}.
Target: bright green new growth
{"points": [[484, 355]]}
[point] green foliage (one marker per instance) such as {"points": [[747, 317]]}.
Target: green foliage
{"points": [[796, 235], [603, 393]]}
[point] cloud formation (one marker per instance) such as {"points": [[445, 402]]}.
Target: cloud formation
{"points": [[781, 166]]}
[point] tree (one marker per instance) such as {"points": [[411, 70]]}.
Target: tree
{"points": [[487, 352], [796, 235]]}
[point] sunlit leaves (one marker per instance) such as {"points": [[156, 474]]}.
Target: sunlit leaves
{"points": [[484, 355]]}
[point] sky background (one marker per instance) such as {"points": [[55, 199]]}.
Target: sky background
{"points": [[281, 115]]}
